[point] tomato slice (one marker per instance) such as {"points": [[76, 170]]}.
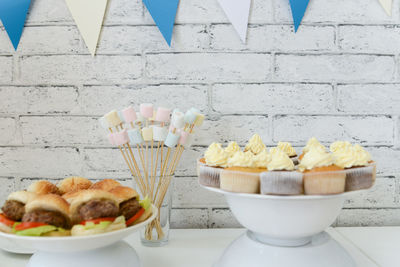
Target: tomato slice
{"points": [[135, 217], [5, 220], [28, 225], [99, 220]]}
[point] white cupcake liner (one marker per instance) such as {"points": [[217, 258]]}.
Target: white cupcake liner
{"points": [[324, 183], [359, 178], [281, 183], [240, 181], [208, 176]]}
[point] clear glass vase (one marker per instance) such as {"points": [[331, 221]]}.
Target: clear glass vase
{"points": [[156, 233]]}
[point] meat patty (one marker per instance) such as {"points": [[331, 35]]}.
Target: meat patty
{"points": [[48, 217], [14, 209], [129, 208], [97, 209]]}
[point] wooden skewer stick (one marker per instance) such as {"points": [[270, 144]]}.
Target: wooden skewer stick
{"points": [[130, 167], [127, 148]]}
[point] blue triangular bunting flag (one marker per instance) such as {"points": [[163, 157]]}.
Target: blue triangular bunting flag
{"points": [[163, 13], [298, 9], [13, 15]]}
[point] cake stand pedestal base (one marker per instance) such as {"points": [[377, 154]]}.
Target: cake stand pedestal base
{"points": [[256, 251], [119, 254]]}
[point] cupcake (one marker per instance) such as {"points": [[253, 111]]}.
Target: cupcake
{"points": [[281, 179], [255, 145], [241, 175], [321, 175], [312, 143], [360, 170], [289, 150], [209, 167]]}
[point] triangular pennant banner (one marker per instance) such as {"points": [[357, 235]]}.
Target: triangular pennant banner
{"points": [[387, 6], [298, 9], [163, 13], [13, 15], [88, 16], [237, 12]]}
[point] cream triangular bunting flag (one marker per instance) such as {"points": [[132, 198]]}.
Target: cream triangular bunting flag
{"points": [[387, 6], [88, 16], [237, 12]]}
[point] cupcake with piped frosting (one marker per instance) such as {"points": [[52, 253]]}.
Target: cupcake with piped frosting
{"points": [[209, 167], [242, 174], [281, 177], [360, 169], [321, 175]]}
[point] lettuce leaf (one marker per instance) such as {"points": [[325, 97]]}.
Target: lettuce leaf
{"points": [[145, 203], [101, 225], [36, 231]]}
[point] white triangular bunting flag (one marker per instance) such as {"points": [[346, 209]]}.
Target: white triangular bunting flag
{"points": [[88, 16], [237, 12], [387, 6]]}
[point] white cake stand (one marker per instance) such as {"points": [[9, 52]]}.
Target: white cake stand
{"points": [[285, 231], [102, 250]]}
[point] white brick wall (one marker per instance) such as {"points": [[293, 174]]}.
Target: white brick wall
{"points": [[337, 78]]}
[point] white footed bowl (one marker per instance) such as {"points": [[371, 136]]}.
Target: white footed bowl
{"points": [[69, 244], [284, 220]]}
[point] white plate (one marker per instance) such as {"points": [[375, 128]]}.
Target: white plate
{"points": [[23, 244]]}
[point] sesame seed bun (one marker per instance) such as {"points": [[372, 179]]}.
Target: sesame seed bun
{"points": [[124, 193], [73, 183], [22, 196], [43, 187], [87, 195], [49, 202], [106, 184]]}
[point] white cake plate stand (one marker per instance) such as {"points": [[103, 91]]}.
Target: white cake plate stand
{"points": [[285, 231], [102, 250]]}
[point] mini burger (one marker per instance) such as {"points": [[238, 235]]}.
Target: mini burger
{"points": [[43, 187], [45, 215], [130, 207], [95, 211], [14, 209], [106, 184], [73, 183]]}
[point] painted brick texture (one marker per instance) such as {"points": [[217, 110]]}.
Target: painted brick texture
{"points": [[337, 78]]}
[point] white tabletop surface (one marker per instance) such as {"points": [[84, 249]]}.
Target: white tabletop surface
{"points": [[369, 246]]}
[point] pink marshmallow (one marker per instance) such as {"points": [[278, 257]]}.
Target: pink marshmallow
{"points": [[129, 114], [111, 138], [121, 138], [183, 138], [146, 110], [163, 114]]}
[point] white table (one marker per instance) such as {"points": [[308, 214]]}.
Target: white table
{"points": [[369, 246]]}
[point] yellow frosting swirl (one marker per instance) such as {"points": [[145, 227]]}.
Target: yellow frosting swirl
{"points": [[316, 157], [351, 157], [261, 159], [216, 156], [313, 143], [255, 145], [279, 160], [232, 148], [241, 159], [363, 156], [339, 145], [287, 148]]}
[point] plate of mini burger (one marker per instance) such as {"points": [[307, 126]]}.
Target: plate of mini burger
{"points": [[75, 215]]}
